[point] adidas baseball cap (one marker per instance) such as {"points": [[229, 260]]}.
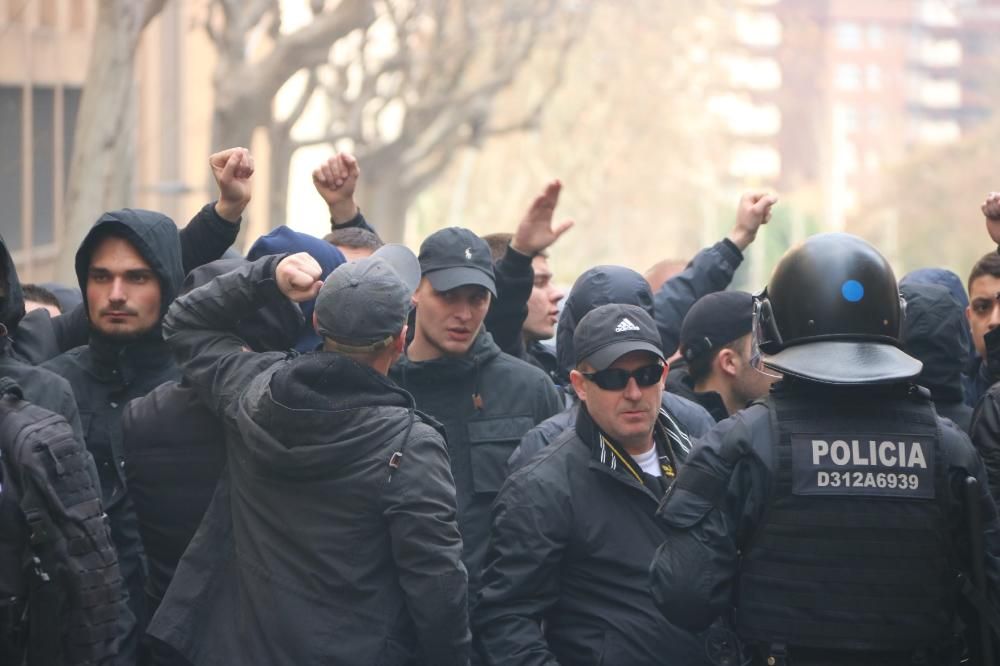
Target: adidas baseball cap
{"points": [[610, 331]]}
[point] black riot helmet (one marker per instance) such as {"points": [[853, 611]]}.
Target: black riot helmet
{"points": [[832, 314]]}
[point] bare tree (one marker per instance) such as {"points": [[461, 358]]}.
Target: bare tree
{"points": [[403, 84], [100, 173]]}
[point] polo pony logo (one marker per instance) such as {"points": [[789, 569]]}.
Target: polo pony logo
{"points": [[468, 254], [626, 325]]}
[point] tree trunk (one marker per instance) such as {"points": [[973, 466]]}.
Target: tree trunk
{"points": [[101, 168], [384, 203], [280, 166]]}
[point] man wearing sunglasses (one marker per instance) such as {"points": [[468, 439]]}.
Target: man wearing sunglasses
{"points": [[574, 529]]}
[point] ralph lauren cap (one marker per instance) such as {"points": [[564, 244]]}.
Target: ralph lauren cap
{"points": [[455, 257]]}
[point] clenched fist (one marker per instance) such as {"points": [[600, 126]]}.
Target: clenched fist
{"points": [[298, 277]]}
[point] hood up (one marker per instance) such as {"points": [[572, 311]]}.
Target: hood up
{"points": [[283, 240], [315, 415], [597, 286], [11, 298], [154, 236], [934, 332]]}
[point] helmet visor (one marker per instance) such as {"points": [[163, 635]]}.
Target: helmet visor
{"points": [[759, 335]]}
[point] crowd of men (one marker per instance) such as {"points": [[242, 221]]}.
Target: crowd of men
{"points": [[336, 451]]}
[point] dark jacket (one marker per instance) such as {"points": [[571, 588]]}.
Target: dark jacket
{"points": [[571, 544], [679, 382], [481, 435], [710, 270], [174, 448], [695, 572], [40, 337], [39, 386], [107, 373], [515, 279], [985, 434], [342, 500], [933, 334]]}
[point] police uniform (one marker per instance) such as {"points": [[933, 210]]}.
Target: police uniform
{"points": [[827, 522]]}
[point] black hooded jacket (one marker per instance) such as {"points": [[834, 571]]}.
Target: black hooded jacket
{"points": [[345, 548], [174, 444], [106, 374], [39, 386], [933, 334]]}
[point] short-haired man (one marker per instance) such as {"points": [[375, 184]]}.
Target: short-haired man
{"points": [[37, 296], [574, 530], [485, 398], [354, 243], [983, 313], [543, 303], [715, 345], [342, 499]]}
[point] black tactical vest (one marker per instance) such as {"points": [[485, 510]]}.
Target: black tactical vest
{"points": [[853, 550]]}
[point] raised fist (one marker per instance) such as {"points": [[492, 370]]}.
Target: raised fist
{"points": [[298, 277], [233, 172]]}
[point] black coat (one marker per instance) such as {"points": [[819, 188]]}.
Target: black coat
{"points": [[514, 397], [345, 546], [106, 374], [571, 545], [39, 386], [695, 573], [679, 382]]}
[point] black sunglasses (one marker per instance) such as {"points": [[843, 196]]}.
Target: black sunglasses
{"points": [[615, 379]]}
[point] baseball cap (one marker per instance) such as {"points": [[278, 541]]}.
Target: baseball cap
{"points": [[715, 320], [610, 331], [454, 257], [363, 304]]}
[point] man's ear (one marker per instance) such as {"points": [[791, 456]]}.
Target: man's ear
{"points": [[968, 314], [579, 384], [400, 342], [315, 323], [726, 362]]}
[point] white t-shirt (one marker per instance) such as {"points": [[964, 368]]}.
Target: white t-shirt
{"points": [[650, 462]]}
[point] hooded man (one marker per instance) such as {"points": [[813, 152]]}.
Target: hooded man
{"points": [[39, 386], [345, 542], [934, 330], [129, 270]]}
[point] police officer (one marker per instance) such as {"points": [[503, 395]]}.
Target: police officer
{"points": [[827, 521]]}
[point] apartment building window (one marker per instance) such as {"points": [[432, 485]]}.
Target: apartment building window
{"points": [[876, 38], [42, 141], [873, 76], [848, 77], [848, 36]]}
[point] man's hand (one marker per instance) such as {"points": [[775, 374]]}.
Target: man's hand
{"points": [[535, 233], [233, 171], [297, 276], [335, 181], [991, 210], [754, 210]]}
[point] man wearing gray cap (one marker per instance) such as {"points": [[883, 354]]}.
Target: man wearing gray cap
{"points": [[346, 545], [575, 528]]}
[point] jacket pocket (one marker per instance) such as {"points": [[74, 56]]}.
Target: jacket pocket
{"points": [[491, 441]]}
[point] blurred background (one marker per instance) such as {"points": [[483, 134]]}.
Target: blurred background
{"points": [[870, 116]]}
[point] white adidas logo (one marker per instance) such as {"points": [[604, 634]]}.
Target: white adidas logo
{"points": [[626, 325]]}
